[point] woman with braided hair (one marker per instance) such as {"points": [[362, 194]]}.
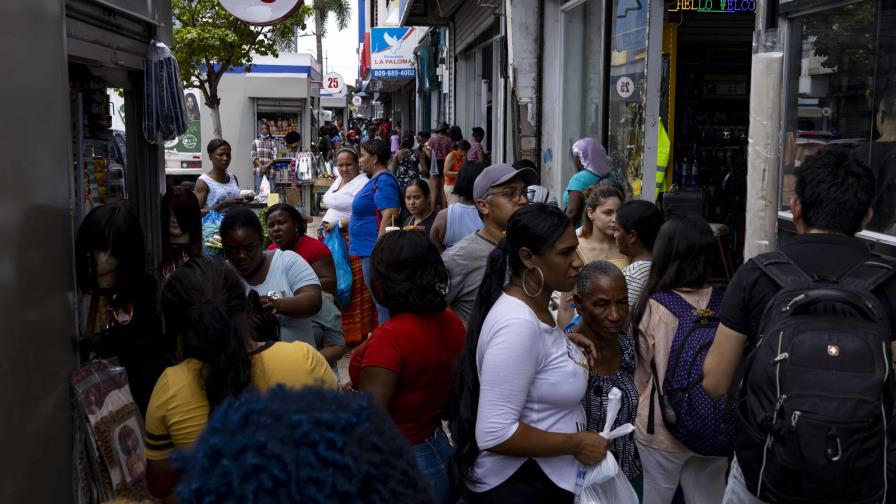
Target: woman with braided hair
{"points": [[226, 344]]}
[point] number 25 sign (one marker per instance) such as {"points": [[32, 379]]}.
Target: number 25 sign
{"points": [[625, 87], [333, 83]]}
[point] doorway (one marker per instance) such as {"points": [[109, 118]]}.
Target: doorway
{"points": [[704, 106]]}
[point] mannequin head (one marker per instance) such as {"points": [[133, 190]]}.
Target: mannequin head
{"points": [[109, 253], [181, 222]]}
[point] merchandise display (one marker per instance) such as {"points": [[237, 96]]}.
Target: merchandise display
{"points": [[164, 111], [111, 428]]}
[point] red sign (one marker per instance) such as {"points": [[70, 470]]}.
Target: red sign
{"points": [[261, 12]]}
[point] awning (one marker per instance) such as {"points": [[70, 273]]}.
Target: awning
{"points": [[426, 13]]}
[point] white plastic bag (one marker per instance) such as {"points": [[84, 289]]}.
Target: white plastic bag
{"points": [[264, 187], [605, 483]]}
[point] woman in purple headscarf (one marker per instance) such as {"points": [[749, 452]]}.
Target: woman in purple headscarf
{"points": [[592, 165]]}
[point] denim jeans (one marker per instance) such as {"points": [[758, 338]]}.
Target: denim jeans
{"points": [[432, 457], [257, 179], [381, 311]]}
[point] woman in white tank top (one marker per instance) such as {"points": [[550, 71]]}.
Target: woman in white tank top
{"points": [[218, 190]]}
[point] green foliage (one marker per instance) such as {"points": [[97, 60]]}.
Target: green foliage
{"points": [[340, 9], [208, 41], [844, 37]]}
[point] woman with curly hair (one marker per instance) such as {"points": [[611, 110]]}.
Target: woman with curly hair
{"points": [[309, 445], [219, 335], [407, 363]]}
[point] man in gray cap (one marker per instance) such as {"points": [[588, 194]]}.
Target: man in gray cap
{"points": [[499, 191]]}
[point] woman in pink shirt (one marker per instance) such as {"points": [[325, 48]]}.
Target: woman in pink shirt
{"points": [[682, 258]]}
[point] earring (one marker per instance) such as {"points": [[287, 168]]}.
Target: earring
{"points": [[540, 288]]}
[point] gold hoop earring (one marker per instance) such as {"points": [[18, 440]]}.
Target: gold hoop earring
{"points": [[540, 289]]}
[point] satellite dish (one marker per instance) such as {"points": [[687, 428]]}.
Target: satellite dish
{"points": [[261, 12]]}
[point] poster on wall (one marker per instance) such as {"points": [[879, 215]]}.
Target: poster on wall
{"points": [[189, 142], [392, 52]]}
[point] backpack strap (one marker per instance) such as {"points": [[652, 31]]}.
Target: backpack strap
{"points": [[870, 274], [715, 300], [673, 302], [657, 391], [780, 268]]}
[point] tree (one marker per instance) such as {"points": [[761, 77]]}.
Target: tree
{"points": [[341, 9], [209, 42]]}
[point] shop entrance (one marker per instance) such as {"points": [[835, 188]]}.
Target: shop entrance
{"points": [[705, 108]]}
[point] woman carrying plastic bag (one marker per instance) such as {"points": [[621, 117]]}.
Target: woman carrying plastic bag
{"points": [[605, 483], [336, 243]]}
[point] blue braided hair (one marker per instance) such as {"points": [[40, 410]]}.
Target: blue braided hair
{"points": [[310, 445]]}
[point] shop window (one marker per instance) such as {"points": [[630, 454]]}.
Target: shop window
{"points": [[842, 90], [582, 68], [628, 64]]}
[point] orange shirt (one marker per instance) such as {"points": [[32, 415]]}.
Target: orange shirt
{"points": [[452, 164]]}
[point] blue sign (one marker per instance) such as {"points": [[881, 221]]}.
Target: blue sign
{"points": [[392, 52]]}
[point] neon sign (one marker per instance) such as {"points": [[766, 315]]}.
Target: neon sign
{"points": [[729, 6]]}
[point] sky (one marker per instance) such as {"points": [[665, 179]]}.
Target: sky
{"points": [[340, 48]]}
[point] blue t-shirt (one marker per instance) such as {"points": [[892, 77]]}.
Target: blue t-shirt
{"points": [[580, 182], [362, 226]]}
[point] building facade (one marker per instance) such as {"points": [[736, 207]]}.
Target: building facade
{"points": [[723, 96]]}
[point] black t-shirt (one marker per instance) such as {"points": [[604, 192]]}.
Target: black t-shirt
{"points": [[823, 255], [881, 158]]}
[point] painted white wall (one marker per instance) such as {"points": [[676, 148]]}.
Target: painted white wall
{"points": [[555, 163], [238, 92]]}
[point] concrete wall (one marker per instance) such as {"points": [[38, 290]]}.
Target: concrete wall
{"points": [[556, 166], [524, 35]]}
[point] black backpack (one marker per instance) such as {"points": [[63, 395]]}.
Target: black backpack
{"points": [[816, 396]]}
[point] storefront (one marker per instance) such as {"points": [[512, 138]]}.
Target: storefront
{"points": [[839, 84], [742, 90], [284, 92], [58, 118]]}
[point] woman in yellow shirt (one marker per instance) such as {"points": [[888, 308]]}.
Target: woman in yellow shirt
{"points": [[227, 344]]}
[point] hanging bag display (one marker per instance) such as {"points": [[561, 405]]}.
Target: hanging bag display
{"points": [[164, 109]]}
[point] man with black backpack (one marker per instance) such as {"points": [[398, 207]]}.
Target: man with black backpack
{"points": [[817, 320]]}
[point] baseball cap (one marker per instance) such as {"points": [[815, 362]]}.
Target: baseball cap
{"points": [[498, 174]]}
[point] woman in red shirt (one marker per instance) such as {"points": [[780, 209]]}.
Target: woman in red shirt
{"points": [[407, 365], [287, 229]]}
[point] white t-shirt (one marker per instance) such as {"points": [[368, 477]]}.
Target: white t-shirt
{"points": [[289, 273], [339, 203], [529, 372]]}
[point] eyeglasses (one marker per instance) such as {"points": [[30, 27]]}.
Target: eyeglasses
{"points": [[512, 194]]}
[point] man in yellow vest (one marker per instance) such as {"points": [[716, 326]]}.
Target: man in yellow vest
{"points": [[663, 148]]}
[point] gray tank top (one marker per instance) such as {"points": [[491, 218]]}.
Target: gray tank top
{"points": [[463, 219], [218, 192]]}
